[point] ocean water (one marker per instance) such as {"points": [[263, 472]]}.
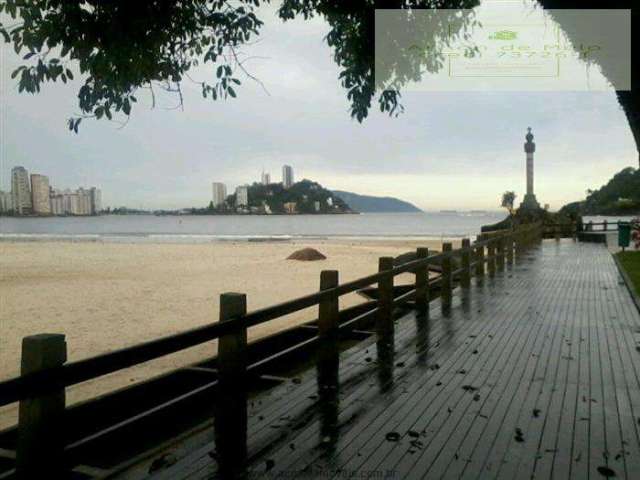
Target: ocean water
{"points": [[202, 229]]}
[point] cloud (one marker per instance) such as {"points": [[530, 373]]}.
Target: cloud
{"points": [[448, 150]]}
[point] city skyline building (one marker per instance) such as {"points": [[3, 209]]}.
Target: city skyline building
{"points": [[40, 198], [96, 200], [287, 176], [34, 195], [219, 193], [6, 202], [242, 196], [265, 179], [82, 201], [21, 191]]}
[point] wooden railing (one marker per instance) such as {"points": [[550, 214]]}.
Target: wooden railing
{"points": [[558, 230], [602, 226], [41, 448]]}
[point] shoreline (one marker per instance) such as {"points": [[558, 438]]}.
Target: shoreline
{"points": [[104, 296], [198, 238]]}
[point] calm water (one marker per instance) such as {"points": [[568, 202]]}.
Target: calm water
{"points": [[150, 228]]}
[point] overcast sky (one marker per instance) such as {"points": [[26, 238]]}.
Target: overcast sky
{"points": [[448, 150]]}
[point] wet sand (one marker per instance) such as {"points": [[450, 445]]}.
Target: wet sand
{"points": [[105, 296]]}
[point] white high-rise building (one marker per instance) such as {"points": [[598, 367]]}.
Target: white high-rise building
{"points": [[84, 202], [96, 200], [79, 202], [40, 194], [6, 202], [219, 193], [242, 196], [266, 178], [287, 176], [57, 206], [21, 191]]}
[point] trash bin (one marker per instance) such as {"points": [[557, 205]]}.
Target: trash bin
{"points": [[624, 234]]}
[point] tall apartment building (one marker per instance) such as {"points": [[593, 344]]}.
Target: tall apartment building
{"points": [[287, 176], [84, 200], [6, 202], [21, 191], [79, 202], [56, 198], [219, 194], [40, 194], [242, 196], [266, 178], [96, 200]]}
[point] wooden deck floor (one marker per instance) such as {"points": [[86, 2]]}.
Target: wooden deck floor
{"points": [[534, 374]]}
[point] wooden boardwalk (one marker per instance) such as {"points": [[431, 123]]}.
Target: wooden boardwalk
{"points": [[533, 374]]}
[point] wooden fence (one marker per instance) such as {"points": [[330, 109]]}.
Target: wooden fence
{"points": [[558, 230], [40, 389]]}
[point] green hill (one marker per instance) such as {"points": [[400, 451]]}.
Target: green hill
{"points": [[369, 204], [620, 196], [306, 197]]}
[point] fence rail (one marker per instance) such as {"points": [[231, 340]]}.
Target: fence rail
{"points": [[44, 374]]}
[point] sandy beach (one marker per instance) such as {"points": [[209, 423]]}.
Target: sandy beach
{"points": [[105, 296]]}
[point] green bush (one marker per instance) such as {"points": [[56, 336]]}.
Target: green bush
{"points": [[630, 261]]}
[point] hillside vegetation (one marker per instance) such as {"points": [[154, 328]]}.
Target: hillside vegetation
{"points": [[302, 197], [620, 196], [369, 204], [630, 261]]}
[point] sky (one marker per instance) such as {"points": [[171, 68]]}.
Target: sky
{"points": [[448, 150]]}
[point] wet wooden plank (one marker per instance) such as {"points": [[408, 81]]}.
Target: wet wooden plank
{"points": [[550, 345], [502, 416]]}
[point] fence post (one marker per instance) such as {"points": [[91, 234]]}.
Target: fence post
{"points": [[328, 309], [231, 408], [500, 241], [328, 360], [41, 428], [385, 297], [422, 282], [605, 226], [446, 285], [480, 257], [509, 242], [465, 261], [517, 236], [491, 253]]}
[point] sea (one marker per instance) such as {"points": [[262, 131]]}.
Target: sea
{"points": [[203, 229]]}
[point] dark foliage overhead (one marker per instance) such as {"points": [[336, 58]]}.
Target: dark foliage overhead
{"points": [[630, 100], [120, 46]]}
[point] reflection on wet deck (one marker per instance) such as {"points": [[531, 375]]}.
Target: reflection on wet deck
{"points": [[534, 373]]}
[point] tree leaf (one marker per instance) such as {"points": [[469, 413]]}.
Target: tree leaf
{"points": [[5, 35]]}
